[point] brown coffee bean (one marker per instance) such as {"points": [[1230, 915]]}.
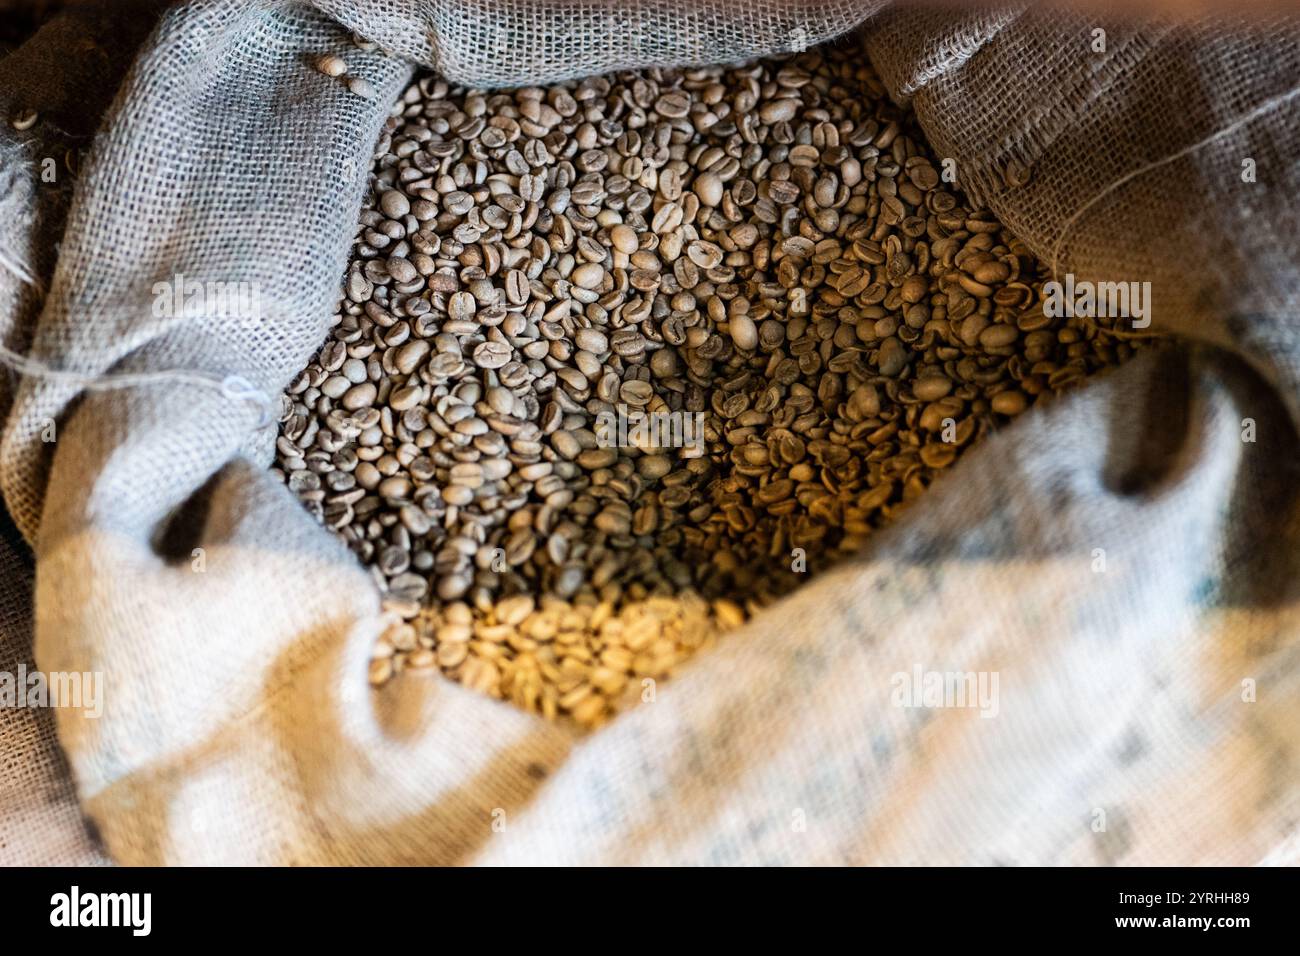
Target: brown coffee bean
{"points": [[491, 354]]}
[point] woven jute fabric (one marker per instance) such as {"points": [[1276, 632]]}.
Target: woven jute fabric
{"points": [[1216, 231], [40, 819], [1121, 560]]}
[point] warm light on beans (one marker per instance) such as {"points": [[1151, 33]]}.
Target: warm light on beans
{"points": [[767, 248]]}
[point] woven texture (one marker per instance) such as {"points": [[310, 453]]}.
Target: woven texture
{"points": [[71, 77], [1220, 251], [520, 42], [234, 633], [40, 819]]}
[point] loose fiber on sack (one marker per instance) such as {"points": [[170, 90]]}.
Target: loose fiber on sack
{"points": [[238, 725]]}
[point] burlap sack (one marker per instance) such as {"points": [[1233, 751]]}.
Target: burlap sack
{"points": [[40, 819], [1147, 706]]}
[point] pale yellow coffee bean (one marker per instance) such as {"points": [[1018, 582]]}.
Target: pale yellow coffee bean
{"points": [[744, 333], [729, 614], [624, 239], [589, 275], [709, 188], [331, 64]]}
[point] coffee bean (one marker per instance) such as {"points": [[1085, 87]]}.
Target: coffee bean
{"points": [[892, 357], [401, 270], [406, 397], [931, 387], [394, 203], [778, 111], [628, 343], [517, 290], [331, 64], [358, 86], [588, 276], [1010, 402], [624, 239], [635, 392], [673, 105], [491, 354], [743, 332], [359, 396], [594, 458], [708, 188], [409, 356]]}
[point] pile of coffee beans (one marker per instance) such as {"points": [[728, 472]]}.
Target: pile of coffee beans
{"points": [[620, 361]]}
